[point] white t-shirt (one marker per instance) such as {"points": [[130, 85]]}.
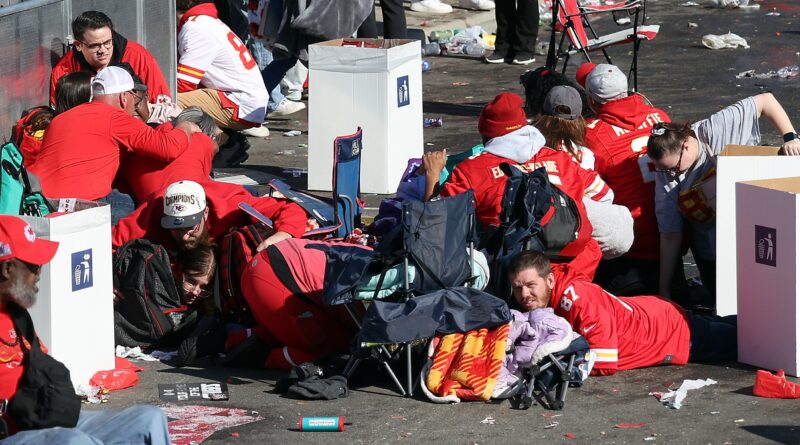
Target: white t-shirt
{"points": [[210, 54]]}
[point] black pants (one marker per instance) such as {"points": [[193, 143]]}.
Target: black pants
{"points": [[517, 26], [628, 277], [708, 274], [394, 21], [713, 338]]}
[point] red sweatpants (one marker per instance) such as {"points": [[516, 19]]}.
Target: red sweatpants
{"points": [[300, 331]]}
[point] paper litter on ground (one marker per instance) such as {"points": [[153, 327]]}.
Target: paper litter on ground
{"points": [[674, 399]]}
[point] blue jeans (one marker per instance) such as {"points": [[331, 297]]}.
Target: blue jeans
{"points": [[263, 57], [121, 204], [276, 70], [141, 424]]}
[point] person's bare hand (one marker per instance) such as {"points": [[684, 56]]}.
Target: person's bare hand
{"points": [[276, 237], [189, 127], [791, 148], [434, 162]]}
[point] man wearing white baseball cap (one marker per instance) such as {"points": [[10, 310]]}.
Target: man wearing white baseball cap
{"points": [[81, 152], [617, 136], [190, 213], [22, 255]]}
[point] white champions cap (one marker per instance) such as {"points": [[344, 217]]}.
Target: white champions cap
{"points": [[184, 204]]}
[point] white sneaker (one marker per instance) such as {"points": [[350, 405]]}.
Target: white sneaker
{"points": [[286, 107], [256, 132], [431, 7], [483, 5]]}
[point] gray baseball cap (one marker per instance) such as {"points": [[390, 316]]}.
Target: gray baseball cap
{"points": [[605, 83], [563, 102]]}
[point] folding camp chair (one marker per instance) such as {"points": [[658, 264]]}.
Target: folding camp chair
{"points": [[342, 213], [547, 381], [437, 239], [574, 21]]}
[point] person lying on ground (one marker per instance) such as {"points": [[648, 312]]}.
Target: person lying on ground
{"points": [[80, 154], [21, 261], [617, 136], [97, 46], [508, 138], [685, 157], [190, 211], [623, 332], [563, 128]]}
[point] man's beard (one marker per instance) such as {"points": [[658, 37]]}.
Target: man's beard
{"points": [[22, 294], [192, 242]]}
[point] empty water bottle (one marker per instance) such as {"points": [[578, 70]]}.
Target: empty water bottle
{"points": [[474, 50], [789, 71], [442, 36], [426, 65], [431, 49]]}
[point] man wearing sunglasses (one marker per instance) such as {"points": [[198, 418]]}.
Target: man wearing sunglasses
{"points": [[96, 46], [685, 156]]}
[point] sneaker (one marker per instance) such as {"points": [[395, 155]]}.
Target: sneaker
{"points": [[431, 7], [207, 338], [523, 58], [287, 107], [496, 57], [483, 5], [256, 132]]}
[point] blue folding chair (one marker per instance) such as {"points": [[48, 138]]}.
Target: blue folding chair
{"points": [[342, 214]]}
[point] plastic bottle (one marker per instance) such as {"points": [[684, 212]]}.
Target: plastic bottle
{"points": [[442, 36], [474, 50], [432, 122], [789, 71], [426, 65], [431, 49]]}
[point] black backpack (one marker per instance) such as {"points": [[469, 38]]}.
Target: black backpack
{"points": [[45, 397], [536, 215], [148, 311]]}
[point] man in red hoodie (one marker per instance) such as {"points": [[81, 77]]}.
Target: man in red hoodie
{"points": [[508, 138], [618, 138], [623, 332]]}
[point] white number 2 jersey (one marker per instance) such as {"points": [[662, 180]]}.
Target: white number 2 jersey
{"points": [[211, 55]]}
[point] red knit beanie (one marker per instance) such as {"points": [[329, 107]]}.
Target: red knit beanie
{"points": [[502, 115]]}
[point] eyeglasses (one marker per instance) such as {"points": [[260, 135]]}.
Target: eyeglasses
{"points": [[195, 289], [95, 47], [674, 171], [140, 96]]}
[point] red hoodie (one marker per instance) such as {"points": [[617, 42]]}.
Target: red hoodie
{"points": [[618, 137], [624, 332]]}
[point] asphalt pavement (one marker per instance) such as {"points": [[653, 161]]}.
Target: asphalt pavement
{"points": [[677, 74]]}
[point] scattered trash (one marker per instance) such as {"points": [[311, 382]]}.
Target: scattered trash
{"points": [[114, 379], [728, 40], [732, 4], [690, 4], [673, 399], [286, 152], [426, 65], [164, 356], [714, 412], [193, 424], [234, 434], [774, 12], [472, 41], [91, 394], [551, 415], [431, 49], [460, 84], [569, 436], [630, 425], [330, 423], [134, 354], [552, 424], [775, 386], [623, 21], [398, 417], [787, 72], [293, 133], [302, 145], [489, 420], [693, 25], [649, 438], [738, 421], [542, 48], [179, 392], [435, 122]]}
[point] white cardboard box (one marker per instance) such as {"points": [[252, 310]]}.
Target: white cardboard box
{"points": [[767, 228], [377, 89], [740, 163], [74, 312]]}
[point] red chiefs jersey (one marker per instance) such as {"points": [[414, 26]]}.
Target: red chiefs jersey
{"points": [[618, 137], [624, 332], [482, 174]]}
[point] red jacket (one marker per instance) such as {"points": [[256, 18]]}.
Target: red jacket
{"points": [[224, 213], [482, 174], [11, 367], [81, 150], [618, 137], [624, 332], [142, 62], [145, 177]]}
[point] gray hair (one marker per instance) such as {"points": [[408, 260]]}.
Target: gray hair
{"points": [[199, 117]]}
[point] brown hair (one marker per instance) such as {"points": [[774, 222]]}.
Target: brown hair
{"points": [[562, 133], [530, 259], [199, 260], [667, 138]]}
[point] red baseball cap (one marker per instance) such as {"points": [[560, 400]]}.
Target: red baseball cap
{"points": [[17, 240], [583, 71]]}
